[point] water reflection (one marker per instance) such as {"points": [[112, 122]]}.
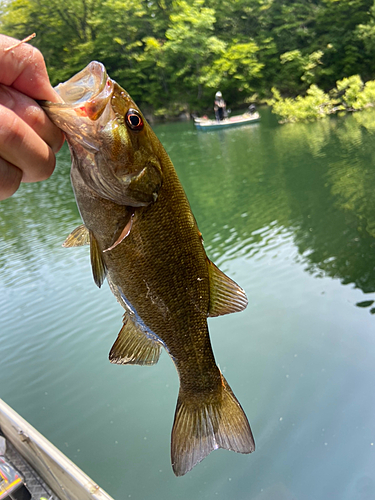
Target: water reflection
{"points": [[278, 207], [316, 180], [34, 223]]}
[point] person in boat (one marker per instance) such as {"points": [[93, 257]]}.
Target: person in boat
{"points": [[220, 107], [28, 139], [252, 109]]}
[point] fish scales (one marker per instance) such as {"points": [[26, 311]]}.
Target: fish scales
{"points": [[144, 239], [167, 283]]}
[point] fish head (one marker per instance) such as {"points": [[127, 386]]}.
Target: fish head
{"points": [[113, 146]]}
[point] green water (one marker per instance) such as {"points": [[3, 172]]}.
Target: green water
{"points": [[289, 213]]}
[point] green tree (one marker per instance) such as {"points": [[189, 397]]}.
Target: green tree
{"points": [[65, 32], [172, 54], [298, 71], [190, 47], [316, 104], [236, 70], [365, 34], [336, 34]]}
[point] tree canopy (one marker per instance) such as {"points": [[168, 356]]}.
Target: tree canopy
{"points": [[173, 55]]}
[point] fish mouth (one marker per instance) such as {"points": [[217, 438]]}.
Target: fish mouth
{"points": [[88, 92], [84, 108]]}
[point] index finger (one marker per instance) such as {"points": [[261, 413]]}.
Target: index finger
{"points": [[24, 69]]}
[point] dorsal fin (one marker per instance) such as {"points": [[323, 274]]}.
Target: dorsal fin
{"points": [[225, 295], [133, 346], [78, 237], [99, 270]]}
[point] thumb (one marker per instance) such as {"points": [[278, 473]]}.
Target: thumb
{"points": [[24, 69]]}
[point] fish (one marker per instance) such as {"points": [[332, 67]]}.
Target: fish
{"points": [[145, 241]]}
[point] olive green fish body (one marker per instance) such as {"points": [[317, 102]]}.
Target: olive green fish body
{"points": [[159, 271], [144, 238]]}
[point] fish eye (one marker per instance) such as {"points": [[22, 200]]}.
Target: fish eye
{"points": [[133, 120]]}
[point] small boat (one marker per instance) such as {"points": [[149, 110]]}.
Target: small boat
{"points": [[12, 486], [37, 469], [233, 121]]}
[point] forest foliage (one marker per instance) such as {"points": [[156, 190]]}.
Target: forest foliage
{"points": [[172, 55], [349, 94]]}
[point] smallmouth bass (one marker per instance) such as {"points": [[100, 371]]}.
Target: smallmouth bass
{"points": [[144, 239]]}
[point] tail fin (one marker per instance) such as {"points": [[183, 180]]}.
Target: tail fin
{"points": [[201, 427]]}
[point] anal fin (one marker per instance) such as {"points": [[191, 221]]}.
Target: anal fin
{"points": [[225, 295], [133, 346]]}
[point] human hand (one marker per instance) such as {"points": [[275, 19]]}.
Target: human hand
{"points": [[28, 139]]}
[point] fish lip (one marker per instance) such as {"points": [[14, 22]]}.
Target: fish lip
{"points": [[87, 92], [84, 108]]}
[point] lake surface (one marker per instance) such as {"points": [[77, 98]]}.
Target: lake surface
{"points": [[289, 213]]}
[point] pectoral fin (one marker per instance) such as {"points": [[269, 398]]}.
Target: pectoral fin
{"points": [[133, 346], [225, 295], [77, 238], [124, 233], [99, 270]]}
